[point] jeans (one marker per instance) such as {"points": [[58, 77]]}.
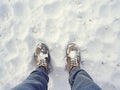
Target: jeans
{"points": [[38, 80]]}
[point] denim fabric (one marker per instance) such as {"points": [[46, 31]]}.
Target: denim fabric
{"points": [[37, 80], [80, 80]]}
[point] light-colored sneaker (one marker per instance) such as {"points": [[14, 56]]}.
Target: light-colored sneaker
{"points": [[72, 56], [42, 56]]}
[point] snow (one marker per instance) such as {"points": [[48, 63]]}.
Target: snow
{"points": [[94, 25]]}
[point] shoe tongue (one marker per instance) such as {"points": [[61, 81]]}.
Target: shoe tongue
{"points": [[42, 56], [72, 54]]}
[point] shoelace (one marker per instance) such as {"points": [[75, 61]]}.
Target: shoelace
{"points": [[42, 62], [74, 62]]}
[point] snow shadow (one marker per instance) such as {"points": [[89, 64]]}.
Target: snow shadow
{"points": [[59, 79]]}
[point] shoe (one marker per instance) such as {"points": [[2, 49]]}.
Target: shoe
{"points": [[42, 56], [72, 56]]}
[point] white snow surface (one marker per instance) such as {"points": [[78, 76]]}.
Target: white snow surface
{"points": [[94, 25]]}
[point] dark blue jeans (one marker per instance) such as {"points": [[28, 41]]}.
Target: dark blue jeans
{"points": [[38, 80]]}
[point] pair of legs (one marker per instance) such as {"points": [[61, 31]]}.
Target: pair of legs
{"points": [[38, 79]]}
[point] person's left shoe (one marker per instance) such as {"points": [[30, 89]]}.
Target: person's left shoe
{"points": [[42, 56]]}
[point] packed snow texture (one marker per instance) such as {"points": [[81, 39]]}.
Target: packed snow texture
{"points": [[94, 25]]}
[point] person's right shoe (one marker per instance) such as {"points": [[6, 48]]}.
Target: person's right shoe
{"points": [[72, 56]]}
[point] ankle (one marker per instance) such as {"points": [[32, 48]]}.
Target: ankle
{"points": [[74, 69]]}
